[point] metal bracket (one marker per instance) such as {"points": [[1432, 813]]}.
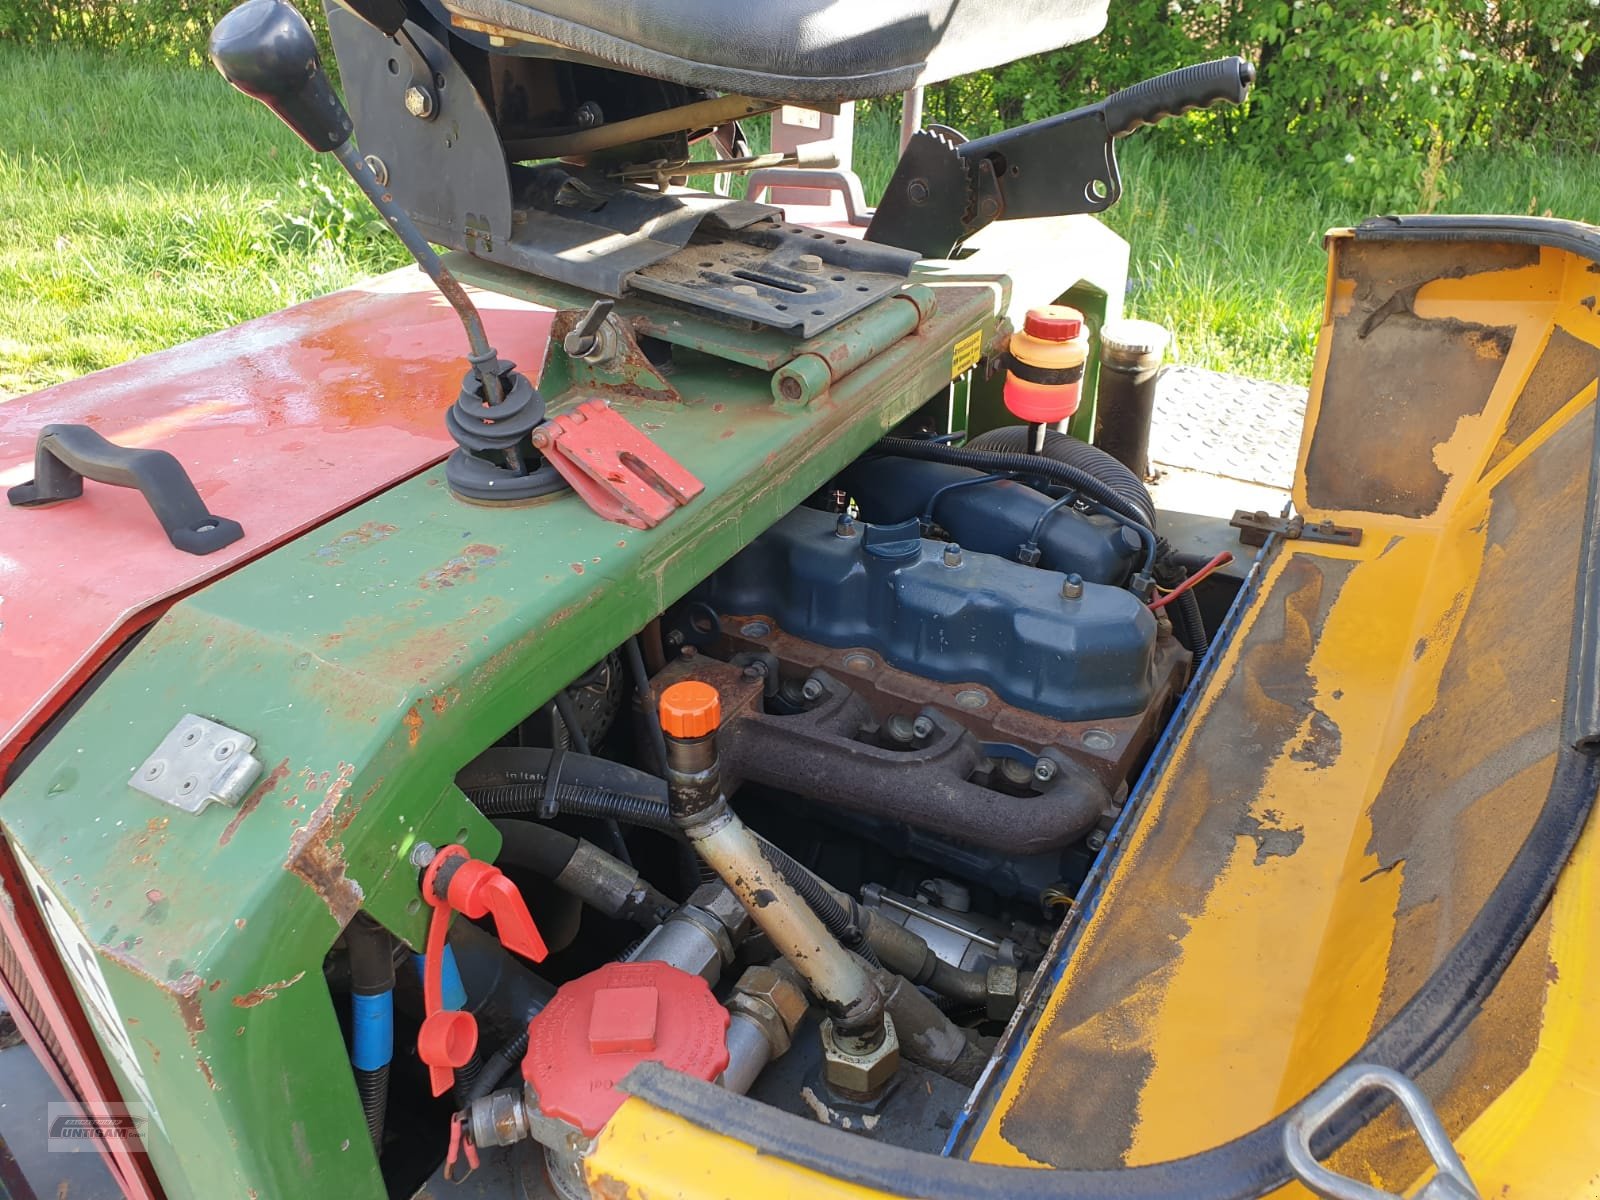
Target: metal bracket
{"points": [[1317, 1111], [617, 471], [199, 763], [1255, 527]]}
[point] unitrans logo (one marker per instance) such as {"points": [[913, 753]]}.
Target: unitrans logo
{"points": [[73, 1128]]}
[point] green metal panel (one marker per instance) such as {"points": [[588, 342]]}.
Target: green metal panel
{"points": [[370, 659]]}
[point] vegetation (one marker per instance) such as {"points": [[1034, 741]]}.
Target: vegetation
{"points": [[147, 204]]}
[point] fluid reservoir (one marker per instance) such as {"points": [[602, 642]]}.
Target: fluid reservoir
{"points": [[1044, 368]]}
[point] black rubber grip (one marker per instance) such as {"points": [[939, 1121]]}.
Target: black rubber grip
{"points": [[66, 455], [266, 50], [1199, 86]]}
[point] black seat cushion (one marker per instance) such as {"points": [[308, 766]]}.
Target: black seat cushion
{"points": [[819, 50]]}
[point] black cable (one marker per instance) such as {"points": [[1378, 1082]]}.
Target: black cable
{"points": [[641, 685], [568, 712]]}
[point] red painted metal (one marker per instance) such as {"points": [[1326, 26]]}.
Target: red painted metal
{"points": [[281, 422], [616, 470], [84, 1075]]}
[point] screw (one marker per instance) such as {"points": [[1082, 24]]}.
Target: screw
{"points": [[756, 670], [845, 526], [423, 854], [922, 727], [419, 102], [1072, 587], [952, 555], [811, 264], [917, 191], [155, 770], [188, 785], [379, 169], [1044, 770], [223, 750], [813, 689], [191, 737]]}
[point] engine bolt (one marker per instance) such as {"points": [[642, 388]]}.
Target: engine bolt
{"points": [[1072, 587], [952, 555], [813, 689], [1044, 770], [419, 103], [422, 855], [1096, 840], [922, 727]]}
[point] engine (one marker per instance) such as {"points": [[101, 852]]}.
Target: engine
{"points": [[851, 781]]}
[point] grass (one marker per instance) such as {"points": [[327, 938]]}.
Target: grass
{"points": [[147, 204]]}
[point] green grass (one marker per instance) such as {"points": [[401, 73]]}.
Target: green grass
{"points": [[145, 205]]}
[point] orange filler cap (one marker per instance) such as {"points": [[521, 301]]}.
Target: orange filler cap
{"points": [[690, 709]]}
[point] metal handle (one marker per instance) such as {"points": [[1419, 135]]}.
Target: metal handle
{"points": [[1317, 1111], [66, 455], [1223, 80]]}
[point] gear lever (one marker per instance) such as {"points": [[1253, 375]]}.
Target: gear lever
{"points": [[265, 49]]}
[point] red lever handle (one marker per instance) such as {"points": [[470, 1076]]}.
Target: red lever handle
{"points": [[473, 888]]}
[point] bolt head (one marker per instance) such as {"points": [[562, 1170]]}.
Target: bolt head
{"points": [[1029, 555], [952, 555], [419, 102], [1045, 770], [811, 264], [812, 690], [1072, 587], [1096, 840], [422, 855], [917, 191], [922, 727]]}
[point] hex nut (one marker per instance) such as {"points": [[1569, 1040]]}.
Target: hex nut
{"points": [[860, 1076], [717, 899], [1000, 991], [777, 989], [419, 102]]}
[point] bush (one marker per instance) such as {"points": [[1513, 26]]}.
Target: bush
{"points": [[175, 30], [1367, 98]]}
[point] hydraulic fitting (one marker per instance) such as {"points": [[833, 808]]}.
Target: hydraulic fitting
{"points": [[856, 1070]]}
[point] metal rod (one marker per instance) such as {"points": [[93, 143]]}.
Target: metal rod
{"points": [[699, 115], [910, 116], [482, 356]]}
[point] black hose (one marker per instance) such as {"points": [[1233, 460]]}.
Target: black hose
{"points": [[371, 951], [568, 712], [641, 685], [466, 1079], [1189, 625], [549, 852], [1069, 451], [820, 900], [539, 848], [575, 800], [500, 1064], [508, 781]]}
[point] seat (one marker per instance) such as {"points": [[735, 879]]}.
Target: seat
{"points": [[798, 50]]}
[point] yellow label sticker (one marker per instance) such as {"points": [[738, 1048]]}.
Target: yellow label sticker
{"points": [[967, 353]]}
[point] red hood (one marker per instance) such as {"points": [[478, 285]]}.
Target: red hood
{"points": [[282, 423]]}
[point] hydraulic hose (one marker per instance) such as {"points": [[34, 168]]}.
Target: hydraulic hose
{"points": [[820, 899], [1064, 448], [517, 780], [582, 869], [372, 1018]]}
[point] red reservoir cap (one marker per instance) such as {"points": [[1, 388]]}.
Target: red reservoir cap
{"points": [[599, 1027], [1053, 323]]}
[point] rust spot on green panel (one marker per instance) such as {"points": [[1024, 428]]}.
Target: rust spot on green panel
{"points": [[257, 794]]}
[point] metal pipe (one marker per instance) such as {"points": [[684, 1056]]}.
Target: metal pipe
{"points": [[910, 116], [700, 115], [749, 1052]]}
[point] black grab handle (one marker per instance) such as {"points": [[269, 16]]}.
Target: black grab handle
{"points": [[66, 455], [1199, 86]]}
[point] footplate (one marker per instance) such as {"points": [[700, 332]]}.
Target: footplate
{"points": [[617, 471]]}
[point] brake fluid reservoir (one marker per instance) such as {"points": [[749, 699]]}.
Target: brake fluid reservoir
{"points": [[1044, 366]]}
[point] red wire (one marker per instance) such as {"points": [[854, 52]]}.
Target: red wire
{"points": [[1220, 560]]}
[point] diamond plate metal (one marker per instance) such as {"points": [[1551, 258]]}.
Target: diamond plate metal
{"points": [[1228, 425]]}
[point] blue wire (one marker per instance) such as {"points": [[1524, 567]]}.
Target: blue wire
{"points": [[933, 500]]}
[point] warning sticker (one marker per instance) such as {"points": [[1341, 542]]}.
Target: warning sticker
{"points": [[967, 353]]}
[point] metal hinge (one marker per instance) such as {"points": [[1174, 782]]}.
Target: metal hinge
{"points": [[199, 763], [1255, 527], [1316, 1111]]}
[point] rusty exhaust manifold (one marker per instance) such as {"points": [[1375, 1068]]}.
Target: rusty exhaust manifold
{"points": [[816, 754]]}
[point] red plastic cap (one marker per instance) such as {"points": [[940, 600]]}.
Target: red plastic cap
{"points": [[690, 709], [600, 1026], [1053, 323]]}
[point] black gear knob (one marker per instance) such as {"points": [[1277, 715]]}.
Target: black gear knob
{"points": [[266, 50]]}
